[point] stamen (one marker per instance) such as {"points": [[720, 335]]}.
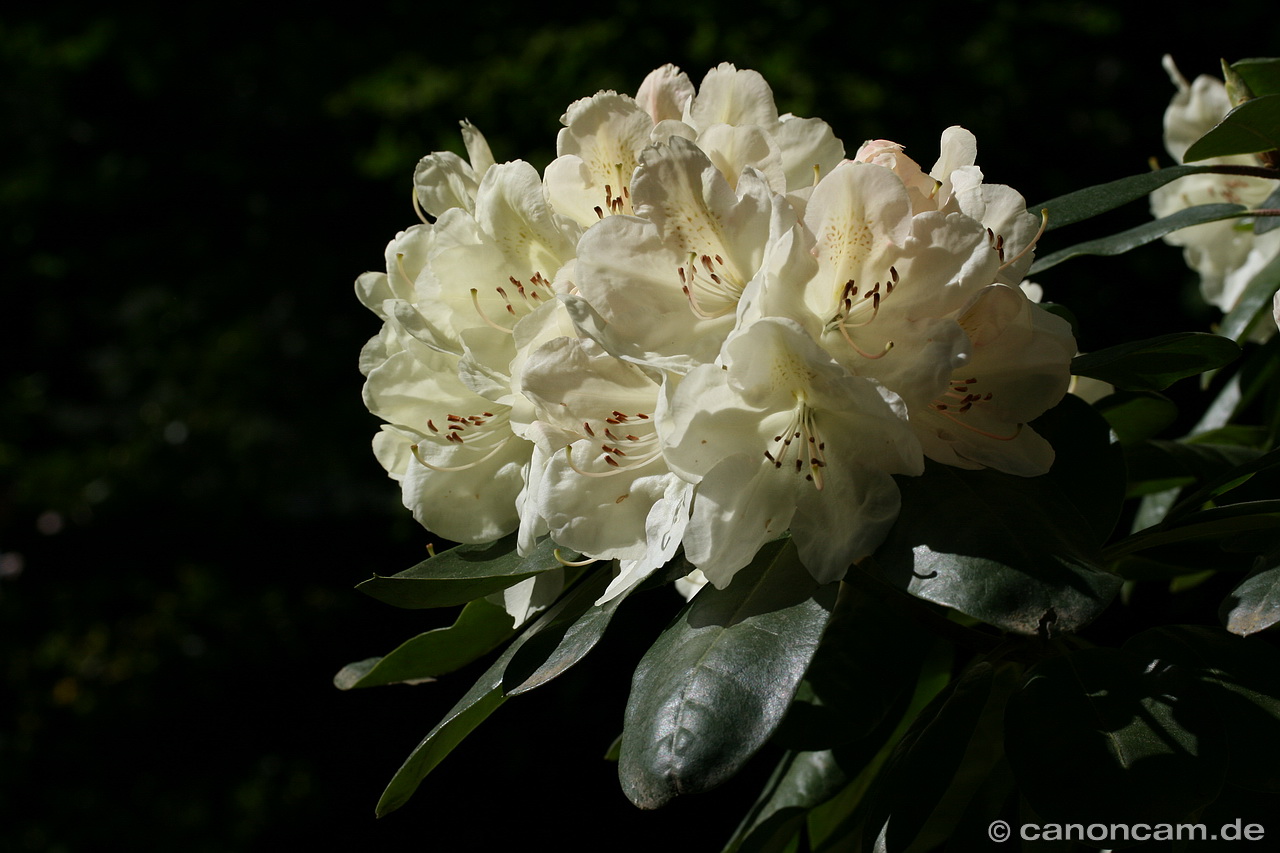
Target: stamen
{"points": [[940, 409], [573, 563], [446, 469], [417, 208], [475, 300], [1044, 223]]}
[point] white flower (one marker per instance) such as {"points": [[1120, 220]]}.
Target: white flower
{"points": [[781, 437], [1226, 254]]}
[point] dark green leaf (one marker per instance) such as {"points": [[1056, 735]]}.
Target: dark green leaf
{"points": [[1241, 679], [800, 781], [1156, 363], [1211, 524], [1092, 201], [1020, 553], [1254, 302], [943, 760], [484, 697], [1102, 736], [480, 628], [1118, 244], [1263, 224], [715, 685], [1250, 128], [867, 664], [462, 574], [1221, 468], [1137, 415], [1254, 605], [566, 640], [1262, 75]]}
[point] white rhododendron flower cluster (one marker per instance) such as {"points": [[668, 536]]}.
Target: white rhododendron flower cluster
{"points": [[1226, 254], [700, 328]]}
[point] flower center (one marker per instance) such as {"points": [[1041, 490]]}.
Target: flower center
{"points": [[621, 448], [855, 310], [958, 399], [528, 296], [711, 288], [800, 445], [475, 432]]}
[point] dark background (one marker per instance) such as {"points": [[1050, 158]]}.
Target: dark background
{"points": [[187, 494]]}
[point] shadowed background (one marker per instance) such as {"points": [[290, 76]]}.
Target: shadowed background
{"points": [[187, 494]]}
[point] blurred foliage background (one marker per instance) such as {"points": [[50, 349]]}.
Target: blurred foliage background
{"points": [[186, 490]]}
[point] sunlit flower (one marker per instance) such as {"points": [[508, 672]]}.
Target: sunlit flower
{"points": [[1226, 254]]}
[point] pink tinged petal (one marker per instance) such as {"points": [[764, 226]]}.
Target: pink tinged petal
{"points": [[665, 93]]}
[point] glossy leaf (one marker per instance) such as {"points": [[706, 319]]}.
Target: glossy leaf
{"points": [[1098, 199], [1207, 525], [1241, 680], [1118, 244], [800, 781], [1254, 605], [479, 629], [1156, 363], [715, 685], [565, 640], [1250, 128], [462, 574], [1254, 304], [1016, 552], [1103, 736], [484, 697], [1262, 75]]}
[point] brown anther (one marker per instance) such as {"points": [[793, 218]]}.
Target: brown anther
{"points": [[432, 426], [599, 212], [610, 460], [586, 427]]}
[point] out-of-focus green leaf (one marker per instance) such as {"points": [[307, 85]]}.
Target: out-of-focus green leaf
{"points": [[716, 683], [479, 629], [1118, 244], [1156, 363], [800, 781], [1241, 679], [1254, 302], [1262, 75], [1101, 736], [462, 574], [1250, 128], [1091, 201], [1254, 605], [1137, 415], [565, 640], [1222, 468], [1020, 553]]}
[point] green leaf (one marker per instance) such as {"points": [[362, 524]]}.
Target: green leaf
{"points": [[1137, 415], [1020, 553], [1092, 201], [943, 760], [1263, 224], [716, 683], [1240, 679], [462, 574], [1208, 525], [1118, 244], [800, 781], [867, 664], [479, 629], [1254, 605], [566, 640], [1254, 302], [1102, 736], [1261, 75], [1250, 128], [1156, 363], [484, 697]]}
